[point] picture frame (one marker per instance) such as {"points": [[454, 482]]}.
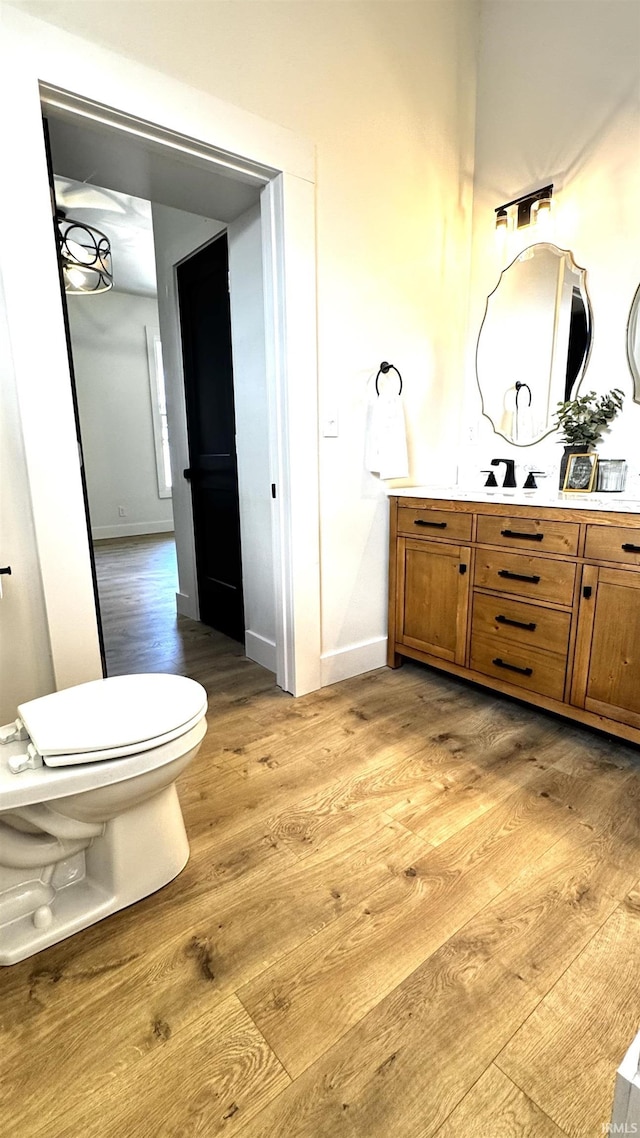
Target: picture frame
{"points": [[580, 475]]}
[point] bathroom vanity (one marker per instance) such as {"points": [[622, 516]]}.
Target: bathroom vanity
{"points": [[539, 601]]}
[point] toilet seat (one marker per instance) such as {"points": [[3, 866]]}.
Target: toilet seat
{"points": [[46, 784], [112, 718]]}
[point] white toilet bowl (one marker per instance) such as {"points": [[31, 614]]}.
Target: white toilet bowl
{"points": [[89, 814]]}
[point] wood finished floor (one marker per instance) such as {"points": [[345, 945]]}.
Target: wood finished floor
{"points": [[412, 908]]}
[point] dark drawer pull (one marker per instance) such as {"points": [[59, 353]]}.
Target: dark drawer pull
{"points": [[530, 627], [525, 536], [629, 548], [434, 525], [512, 667], [517, 576]]}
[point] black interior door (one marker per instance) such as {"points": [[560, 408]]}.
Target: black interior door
{"points": [[203, 292]]}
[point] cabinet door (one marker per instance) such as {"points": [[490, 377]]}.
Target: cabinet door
{"points": [[607, 669], [433, 597]]}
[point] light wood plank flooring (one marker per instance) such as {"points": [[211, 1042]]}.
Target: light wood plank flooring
{"points": [[412, 908]]}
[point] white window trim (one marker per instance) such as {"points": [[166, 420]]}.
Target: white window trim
{"points": [[154, 343]]}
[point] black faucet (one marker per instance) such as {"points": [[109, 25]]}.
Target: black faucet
{"points": [[509, 473]]}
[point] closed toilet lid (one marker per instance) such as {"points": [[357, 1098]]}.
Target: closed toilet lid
{"points": [[111, 718]]}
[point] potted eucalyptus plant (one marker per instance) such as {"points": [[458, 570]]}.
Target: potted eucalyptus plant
{"points": [[581, 422]]}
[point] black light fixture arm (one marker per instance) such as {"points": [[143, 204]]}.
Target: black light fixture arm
{"points": [[525, 203]]}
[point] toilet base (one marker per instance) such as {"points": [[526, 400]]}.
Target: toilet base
{"points": [[141, 850]]}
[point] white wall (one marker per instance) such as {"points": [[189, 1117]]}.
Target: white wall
{"points": [[252, 436], [559, 101], [385, 90], [114, 402], [177, 234]]}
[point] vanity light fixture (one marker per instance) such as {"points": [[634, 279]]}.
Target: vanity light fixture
{"points": [[525, 212], [85, 253]]}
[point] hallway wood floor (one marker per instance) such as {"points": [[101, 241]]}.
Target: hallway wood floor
{"points": [[137, 582], [412, 908]]}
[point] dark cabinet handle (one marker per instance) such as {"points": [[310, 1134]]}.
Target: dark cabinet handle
{"points": [[530, 627], [629, 548], [524, 536], [462, 568], [586, 592], [188, 473], [512, 667], [6, 569], [434, 525], [518, 576]]}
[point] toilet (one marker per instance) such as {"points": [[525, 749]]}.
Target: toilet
{"points": [[89, 814]]}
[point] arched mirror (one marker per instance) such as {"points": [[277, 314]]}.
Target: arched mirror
{"points": [[633, 343], [534, 342]]}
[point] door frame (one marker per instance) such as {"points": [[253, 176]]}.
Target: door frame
{"points": [[131, 98]]}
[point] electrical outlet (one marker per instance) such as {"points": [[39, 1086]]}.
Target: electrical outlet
{"points": [[122, 513]]}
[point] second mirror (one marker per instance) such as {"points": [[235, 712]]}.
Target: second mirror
{"points": [[534, 342]]}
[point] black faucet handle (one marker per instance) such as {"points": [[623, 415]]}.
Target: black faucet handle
{"points": [[531, 483], [491, 480]]}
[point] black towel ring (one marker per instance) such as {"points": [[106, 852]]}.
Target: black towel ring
{"points": [[519, 387], [384, 368]]}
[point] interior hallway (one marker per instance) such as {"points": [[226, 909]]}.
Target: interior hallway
{"points": [[412, 908]]}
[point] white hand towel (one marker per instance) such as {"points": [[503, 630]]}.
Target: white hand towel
{"points": [[386, 437]]}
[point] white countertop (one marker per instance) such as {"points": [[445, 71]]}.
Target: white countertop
{"points": [[613, 502]]}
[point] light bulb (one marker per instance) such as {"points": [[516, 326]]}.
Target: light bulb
{"points": [[543, 211], [77, 277]]}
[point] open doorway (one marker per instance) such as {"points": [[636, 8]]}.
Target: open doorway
{"points": [[132, 515], [224, 140]]}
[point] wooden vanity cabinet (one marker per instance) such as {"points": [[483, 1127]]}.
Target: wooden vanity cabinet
{"points": [[539, 603], [607, 666], [433, 592]]}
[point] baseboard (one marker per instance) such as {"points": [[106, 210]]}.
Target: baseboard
{"points": [[261, 650], [353, 661], [187, 606], [132, 529], [625, 1118]]}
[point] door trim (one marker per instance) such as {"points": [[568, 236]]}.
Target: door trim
{"points": [[42, 370]]}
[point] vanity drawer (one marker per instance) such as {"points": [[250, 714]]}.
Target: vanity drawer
{"points": [[613, 543], [515, 623], [434, 523], [525, 666], [528, 533], [540, 578]]}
